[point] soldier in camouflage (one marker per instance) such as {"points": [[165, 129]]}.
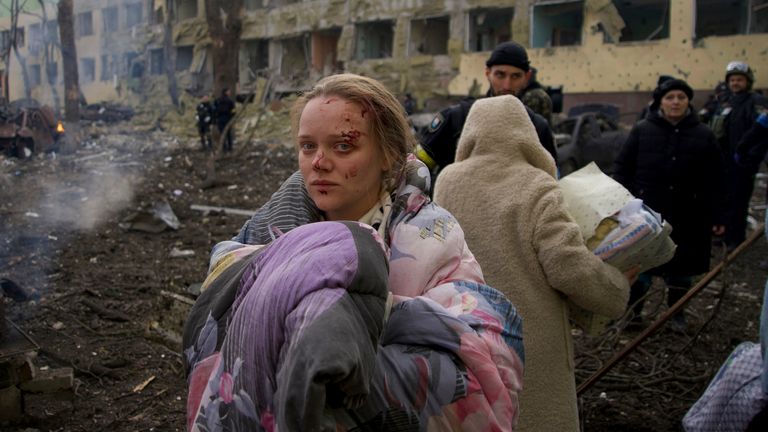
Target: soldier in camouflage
{"points": [[536, 98], [508, 72]]}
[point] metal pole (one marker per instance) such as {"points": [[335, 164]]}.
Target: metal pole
{"points": [[670, 312]]}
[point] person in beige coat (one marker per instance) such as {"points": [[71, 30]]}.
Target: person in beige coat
{"points": [[503, 191]]}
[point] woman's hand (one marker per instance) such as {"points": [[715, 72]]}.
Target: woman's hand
{"points": [[718, 230]]}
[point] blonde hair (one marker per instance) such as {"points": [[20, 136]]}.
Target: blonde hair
{"points": [[389, 124]]}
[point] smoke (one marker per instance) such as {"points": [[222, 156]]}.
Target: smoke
{"points": [[91, 201]]}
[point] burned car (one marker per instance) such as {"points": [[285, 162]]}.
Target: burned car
{"points": [[28, 129], [590, 133]]}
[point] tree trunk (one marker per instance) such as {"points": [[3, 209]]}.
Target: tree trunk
{"points": [[170, 52], [71, 79], [225, 26]]}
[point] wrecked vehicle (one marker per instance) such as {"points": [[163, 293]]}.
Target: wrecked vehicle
{"points": [[28, 129], [106, 112], [590, 133]]}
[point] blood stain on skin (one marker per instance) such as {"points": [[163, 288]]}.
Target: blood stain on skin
{"points": [[351, 137], [352, 172]]}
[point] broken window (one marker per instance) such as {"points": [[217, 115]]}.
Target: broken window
{"points": [[106, 67], [255, 4], [109, 18], [186, 9], [324, 55], [257, 56], [488, 28], [429, 36], [34, 75], [157, 61], [134, 66], [20, 39], [84, 24], [52, 31], [294, 57], [719, 18], [184, 56], [643, 21], [557, 24], [374, 40], [35, 39], [133, 14], [52, 72], [87, 70]]}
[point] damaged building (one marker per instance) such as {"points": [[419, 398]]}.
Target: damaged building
{"points": [[597, 50]]}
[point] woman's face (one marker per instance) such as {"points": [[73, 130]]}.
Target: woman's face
{"points": [[341, 163], [674, 105]]}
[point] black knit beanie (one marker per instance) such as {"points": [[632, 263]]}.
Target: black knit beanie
{"points": [[509, 53], [668, 86]]}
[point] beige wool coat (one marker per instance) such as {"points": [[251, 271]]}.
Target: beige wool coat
{"points": [[502, 190]]}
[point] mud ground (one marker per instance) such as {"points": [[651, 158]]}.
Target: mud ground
{"points": [[109, 302]]}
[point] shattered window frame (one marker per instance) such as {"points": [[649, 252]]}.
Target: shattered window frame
{"points": [[483, 37], [84, 22], [383, 30], [20, 37], [435, 28], [558, 31], [635, 19], [110, 19], [134, 14], [87, 70], [106, 68], [256, 55], [52, 31], [35, 38], [52, 72], [712, 18], [182, 13], [187, 54], [252, 5], [156, 61], [35, 78], [289, 68]]}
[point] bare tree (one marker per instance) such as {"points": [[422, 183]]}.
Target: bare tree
{"points": [[15, 36], [170, 52], [225, 26], [71, 79]]}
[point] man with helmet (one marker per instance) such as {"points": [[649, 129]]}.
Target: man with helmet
{"points": [[741, 127], [508, 72]]}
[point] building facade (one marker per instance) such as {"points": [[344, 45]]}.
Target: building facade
{"points": [[597, 50]]}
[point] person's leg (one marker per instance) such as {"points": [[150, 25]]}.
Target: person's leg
{"points": [[637, 293], [740, 190], [677, 287]]}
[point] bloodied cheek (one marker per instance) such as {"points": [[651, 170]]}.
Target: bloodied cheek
{"points": [[352, 173]]}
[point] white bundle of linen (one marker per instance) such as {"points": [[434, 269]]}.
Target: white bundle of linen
{"points": [[616, 226]]}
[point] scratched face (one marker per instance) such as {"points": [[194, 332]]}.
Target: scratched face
{"points": [[341, 163]]}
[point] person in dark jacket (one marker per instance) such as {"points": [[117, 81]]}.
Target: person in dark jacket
{"points": [[225, 111], [508, 71], [204, 117], [738, 132], [673, 163]]}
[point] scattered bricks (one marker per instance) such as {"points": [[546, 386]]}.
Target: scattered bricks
{"points": [[10, 404], [16, 370], [50, 381]]}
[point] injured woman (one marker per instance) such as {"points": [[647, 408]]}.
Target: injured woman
{"points": [[350, 301]]}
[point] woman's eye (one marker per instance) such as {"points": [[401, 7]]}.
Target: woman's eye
{"points": [[343, 147], [306, 146]]}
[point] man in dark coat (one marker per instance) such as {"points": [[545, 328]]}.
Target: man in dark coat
{"points": [[508, 71], [225, 111], [673, 163], [742, 138], [204, 117]]}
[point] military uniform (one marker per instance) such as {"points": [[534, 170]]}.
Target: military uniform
{"points": [[204, 117], [438, 143], [537, 99]]}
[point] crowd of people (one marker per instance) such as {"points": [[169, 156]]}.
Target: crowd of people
{"points": [[357, 298]]}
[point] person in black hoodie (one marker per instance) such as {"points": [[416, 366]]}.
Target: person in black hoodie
{"points": [[673, 163]]}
